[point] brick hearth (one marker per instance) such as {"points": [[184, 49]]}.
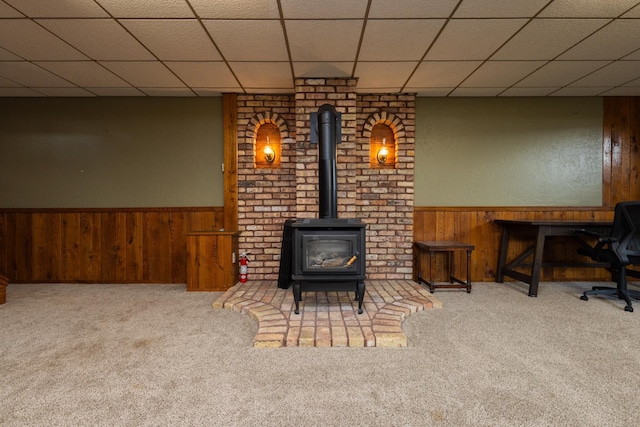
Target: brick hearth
{"points": [[329, 319]]}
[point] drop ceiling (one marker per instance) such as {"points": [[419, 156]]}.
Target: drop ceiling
{"points": [[76, 48]]}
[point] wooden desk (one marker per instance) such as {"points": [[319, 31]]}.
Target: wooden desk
{"points": [[449, 247], [540, 230]]}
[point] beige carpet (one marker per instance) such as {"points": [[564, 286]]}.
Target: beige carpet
{"points": [[150, 355]]}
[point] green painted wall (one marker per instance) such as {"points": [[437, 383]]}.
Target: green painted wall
{"points": [[508, 152], [110, 152]]}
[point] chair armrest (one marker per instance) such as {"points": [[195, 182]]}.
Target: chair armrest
{"points": [[601, 238]]}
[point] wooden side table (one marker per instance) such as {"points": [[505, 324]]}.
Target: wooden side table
{"points": [[211, 260], [3, 289], [449, 247]]}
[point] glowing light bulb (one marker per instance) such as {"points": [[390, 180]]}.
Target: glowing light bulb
{"points": [[383, 152], [269, 154]]}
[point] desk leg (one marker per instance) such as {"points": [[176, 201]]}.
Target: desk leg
{"points": [[432, 256], [451, 269], [537, 262], [502, 259], [468, 272]]}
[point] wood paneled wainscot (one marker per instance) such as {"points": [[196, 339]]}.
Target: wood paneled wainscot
{"points": [[212, 263], [120, 245]]}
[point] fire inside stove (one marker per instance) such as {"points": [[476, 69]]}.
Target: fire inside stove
{"points": [[331, 253]]}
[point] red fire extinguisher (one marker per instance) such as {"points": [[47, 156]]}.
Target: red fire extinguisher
{"points": [[244, 261]]}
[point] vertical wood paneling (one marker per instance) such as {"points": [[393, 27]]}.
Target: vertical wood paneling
{"points": [[106, 246], [178, 250], [134, 257], [39, 233], [230, 113], [23, 247], [3, 243], [621, 159], [110, 248]]}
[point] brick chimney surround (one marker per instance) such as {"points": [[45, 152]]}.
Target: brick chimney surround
{"points": [[380, 197]]}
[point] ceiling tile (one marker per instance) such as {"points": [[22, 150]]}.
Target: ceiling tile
{"points": [[270, 90], [174, 40], [240, 40], [428, 91], [326, 9], [634, 56], [236, 9], [476, 91], [560, 73], [28, 74], [383, 74], [59, 9], [7, 11], [66, 92], [8, 56], [204, 74], [501, 73], [623, 91], [633, 13], [144, 74], [99, 39], [473, 38], [168, 91], [587, 8], [87, 73], [411, 9], [18, 92], [614, 41], [580, 91], [379, 89], [217, 91], [442, 74], [386, 40], [633, 83], [323, 40], [528, 91], [322, 69], [30, 41], [8, 83], [271, 74], [147, 9], [547, 38], [116, 91], [499, 8], [615, 74]]}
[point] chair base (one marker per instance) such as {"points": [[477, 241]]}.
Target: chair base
{"points": [[613, 292]]}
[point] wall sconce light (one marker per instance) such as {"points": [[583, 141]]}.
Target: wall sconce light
{"points": [[383, 152], [269, 154]]}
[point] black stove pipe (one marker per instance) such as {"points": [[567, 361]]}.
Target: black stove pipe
{"points": [[327, 181]]}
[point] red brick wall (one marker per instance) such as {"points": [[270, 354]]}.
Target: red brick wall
{"points": [[382, 198]]}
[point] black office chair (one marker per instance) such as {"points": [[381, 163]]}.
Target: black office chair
{"points": [[620, 249]]}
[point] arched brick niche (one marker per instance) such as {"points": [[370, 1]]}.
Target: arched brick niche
{"points": [[267, 130], [383, 130]]}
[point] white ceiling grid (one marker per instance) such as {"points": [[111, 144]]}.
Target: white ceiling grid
{"points": [[430, 47]]}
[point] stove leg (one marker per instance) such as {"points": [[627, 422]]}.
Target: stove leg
{"points": [[297, 296], [360, 293]]}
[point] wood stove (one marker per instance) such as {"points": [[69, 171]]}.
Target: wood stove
{"points": [[328, 253]]}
